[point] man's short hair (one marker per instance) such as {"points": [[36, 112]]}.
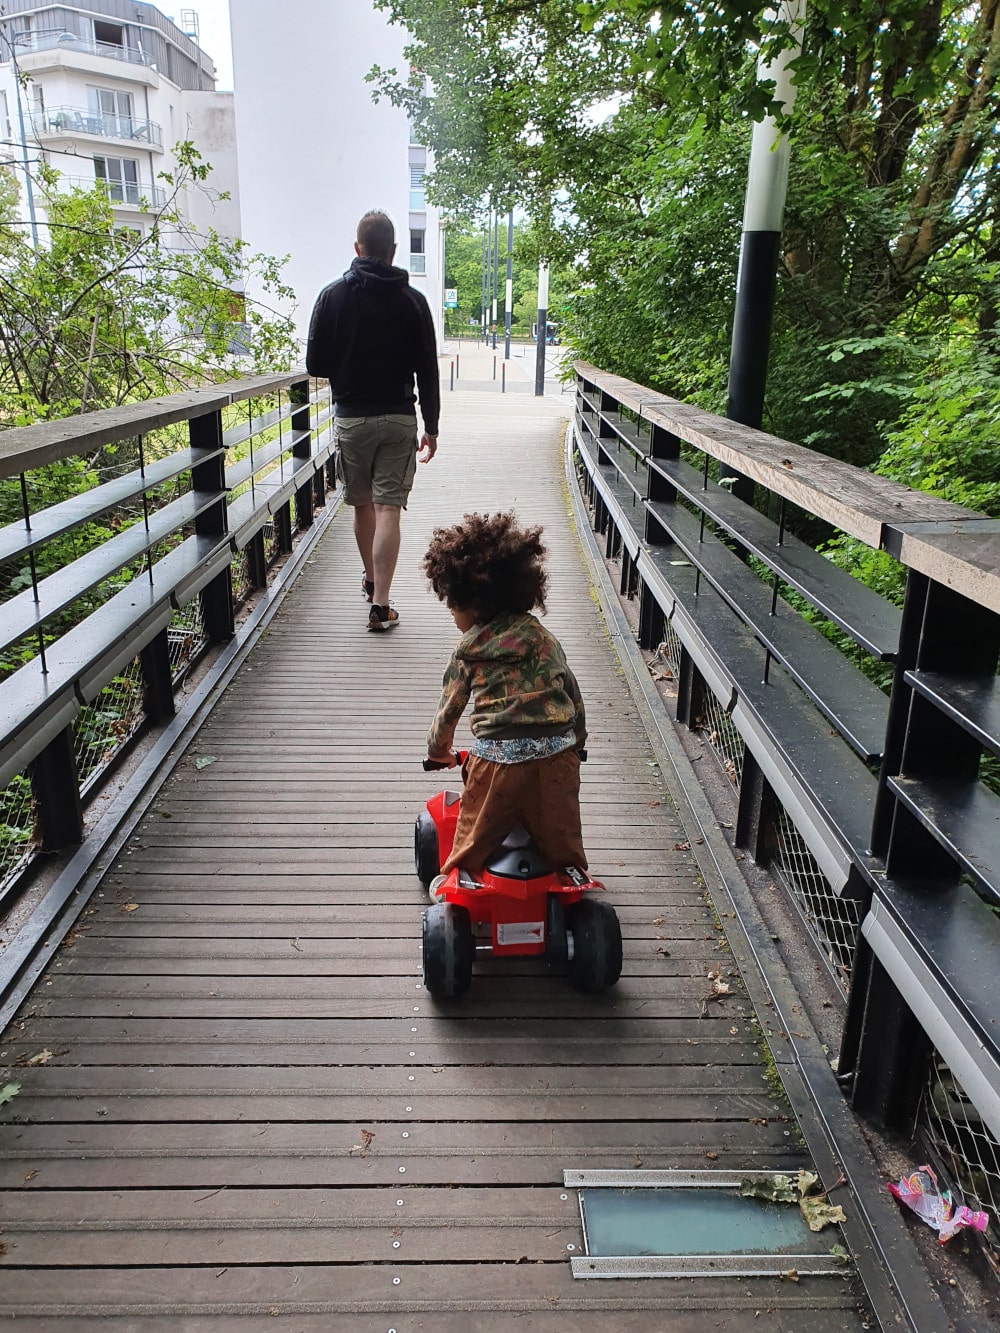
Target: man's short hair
{"points": [[377, 236]]}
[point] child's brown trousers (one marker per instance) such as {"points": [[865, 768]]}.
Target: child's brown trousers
{"points": [[543, 794]]}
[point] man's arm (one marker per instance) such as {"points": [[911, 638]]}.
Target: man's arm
{"points": [[322, 334], [428, 379]]}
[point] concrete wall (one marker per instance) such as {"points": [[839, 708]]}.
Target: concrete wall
{"points": [[210, 120], [315, 152]]}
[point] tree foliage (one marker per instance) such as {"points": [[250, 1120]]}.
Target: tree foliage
{"points": [[623, 128], [101, 314]]}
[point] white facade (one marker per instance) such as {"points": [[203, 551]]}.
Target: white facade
{"points": [[315, 152], [96, 105]]}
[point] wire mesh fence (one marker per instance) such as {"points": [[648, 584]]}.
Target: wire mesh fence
{"points": [[242, 573], [724, 740], [103, 727], [17, 827], [963, 1144], [271, 547], [668, 650], [186, 638], [833, 920]]}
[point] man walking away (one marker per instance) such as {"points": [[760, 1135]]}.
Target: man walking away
{"points": [[370, 334]]}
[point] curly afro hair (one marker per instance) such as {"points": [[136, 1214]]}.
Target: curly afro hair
{"points": [[488, 564]]}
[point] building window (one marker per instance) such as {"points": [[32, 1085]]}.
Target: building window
{"points": [[114, 110], [109, 34], [418, 257], [418, 196], [5, 125], [120, 177]]}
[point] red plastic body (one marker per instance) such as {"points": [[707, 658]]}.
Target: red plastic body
{"points": [[514, 909]]}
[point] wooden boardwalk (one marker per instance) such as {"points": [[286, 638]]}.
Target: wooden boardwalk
{"points": [[251, 1112]]}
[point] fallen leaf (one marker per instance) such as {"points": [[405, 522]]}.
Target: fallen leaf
{"points": [[712, 1156], [361, 1149], [130, 907], [31, 1175], [41, 1058], [818, 1213], [8, 1092], [775, 1189], [791, 1274], [204, 760], [682, 846]]}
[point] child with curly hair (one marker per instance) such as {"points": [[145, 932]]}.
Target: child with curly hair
{"points": [[528, 717]]}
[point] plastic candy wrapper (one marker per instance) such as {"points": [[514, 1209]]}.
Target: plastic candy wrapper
{"points": [[922, 1193]]}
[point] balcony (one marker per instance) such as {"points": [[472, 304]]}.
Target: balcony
{"points": [[57, 40], [122, 194], [68, 122]]}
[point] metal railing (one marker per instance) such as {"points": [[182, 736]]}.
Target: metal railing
{"points": [[59, 40], [868, 805], [64, 121], [122, 194], [109, 593]]}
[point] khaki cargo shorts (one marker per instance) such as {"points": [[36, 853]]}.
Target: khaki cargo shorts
{"points": [[377, 458]]}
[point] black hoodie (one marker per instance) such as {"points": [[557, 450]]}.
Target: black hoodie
{"points": [[370, 333]]}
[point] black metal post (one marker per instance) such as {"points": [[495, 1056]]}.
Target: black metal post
{"points": [[298, 396], [157, 680], [55, 787], [767, 185], [209, 476]]}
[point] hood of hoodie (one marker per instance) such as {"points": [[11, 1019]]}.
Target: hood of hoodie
{"points": [[376, 275]]}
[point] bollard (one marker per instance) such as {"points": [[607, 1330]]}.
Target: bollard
{"points": [[503, 378], [453, 376], [494, 367], [457, 366]]}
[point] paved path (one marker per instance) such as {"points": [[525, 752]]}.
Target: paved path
{"points": [[251, 1113]]}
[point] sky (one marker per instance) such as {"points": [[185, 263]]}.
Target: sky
{"points": [[213, 20]]}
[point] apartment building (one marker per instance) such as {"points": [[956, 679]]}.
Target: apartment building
{"points": [[103, 90], [315, 152]]}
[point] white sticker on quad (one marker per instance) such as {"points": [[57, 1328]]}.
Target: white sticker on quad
{"points": [[520, 932]]}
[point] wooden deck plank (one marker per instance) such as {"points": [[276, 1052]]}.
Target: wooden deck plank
{"points": [[243, 999]]}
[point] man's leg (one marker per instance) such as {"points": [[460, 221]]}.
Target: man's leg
{"points": [[364, 535], [384, 549]]}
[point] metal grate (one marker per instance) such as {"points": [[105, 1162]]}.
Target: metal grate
{"points": [[833, 920], [963, 1143], [724, 739], [105, 726], [17, 827], [185, 638]]}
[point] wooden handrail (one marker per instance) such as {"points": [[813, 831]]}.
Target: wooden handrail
{"points": [[945, 541], [25, 447]]}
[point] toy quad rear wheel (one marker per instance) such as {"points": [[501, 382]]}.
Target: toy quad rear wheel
{"points": [[596, 961], [449, 949], [426, 856]]}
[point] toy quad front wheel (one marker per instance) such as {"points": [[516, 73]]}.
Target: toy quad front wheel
{"points": [[596, 959], [425, 848], [449, 949]]}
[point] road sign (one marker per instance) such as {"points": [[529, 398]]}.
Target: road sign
{"points": [[451, 298]]}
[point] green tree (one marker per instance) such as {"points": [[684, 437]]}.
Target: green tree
{"points": [[100, 315], [622, 127]]}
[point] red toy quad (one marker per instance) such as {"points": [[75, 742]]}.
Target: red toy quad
{"points": [[520, 904]]}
